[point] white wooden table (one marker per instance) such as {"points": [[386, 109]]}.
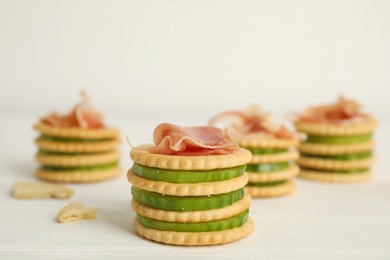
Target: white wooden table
{"points": [[320, 221]]}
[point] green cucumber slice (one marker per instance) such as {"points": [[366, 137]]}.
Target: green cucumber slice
{"points": [[265, 184], [267, 167], [266, 151], [351, 171], [77, 140], [46, 152], [343, 157], [186, 203], [176, 176], [339, 139], [81, 168], [233, 222]]}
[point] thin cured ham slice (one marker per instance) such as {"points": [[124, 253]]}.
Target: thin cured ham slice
{"points": [[171, 139], [81, 116], [251, 121], [342, 111]]}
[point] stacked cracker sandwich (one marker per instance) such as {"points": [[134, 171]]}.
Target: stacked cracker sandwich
{"points": [[272, 145], [77, 147], [188, 187], [339, 143]]}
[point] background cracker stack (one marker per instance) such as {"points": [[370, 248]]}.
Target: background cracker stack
{"points": [[339, 144], [272, 167], [273, 149], [77, 147], [192, 199]]}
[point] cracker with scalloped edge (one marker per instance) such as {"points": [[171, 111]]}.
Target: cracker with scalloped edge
{"points": [[331, 149], [252, 142], [327, 129], [40, 190], [76, 211], [283, 189], [81, 133], [77, 160], [188, 189], [274, 158], [193, 216], [78, 176], [203, 162], [332, 164], [77, 147], [334, 177], [285, 174], [195, 238]]}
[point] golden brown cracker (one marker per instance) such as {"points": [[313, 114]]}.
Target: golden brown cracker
{"points": [[77, 147], [207, 162], [288, 173], [274, 158], [78, 160], [78, 176], [332, 164], [188, 189], [331, 149], [195, 238], [193, 216], [39, 190], [81, 133], [334, 177], [283, 189], [253, 142], [76, 211], [328, 129]]}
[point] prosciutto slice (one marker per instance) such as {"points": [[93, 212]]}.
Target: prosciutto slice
{"points": [[171, 139], [342, 111], [251, 121], [81, 116]]}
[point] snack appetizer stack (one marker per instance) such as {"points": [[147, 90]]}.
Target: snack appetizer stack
{"points": [[188, 187], [77, 147], [339, 144], [273, 147]]}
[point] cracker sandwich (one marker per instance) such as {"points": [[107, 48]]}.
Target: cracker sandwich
{"points": [[188, 187], [77, 147]]}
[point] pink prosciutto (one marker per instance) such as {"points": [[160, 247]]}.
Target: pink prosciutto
{"points": [[81, 116], [343, 110], [171, 139], [251, 121]]}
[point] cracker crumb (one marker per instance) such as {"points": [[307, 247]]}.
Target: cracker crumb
{"points": [[76, 211], [40, 190]]}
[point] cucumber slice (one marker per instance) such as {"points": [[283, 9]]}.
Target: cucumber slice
{"points": [[233, 222], [265, 184], [351, 171], [339, 139], [64, 139], [267, 167], [186, 203], [343, 157], [81, 168], [46, 152], [176, 176], [266, 151]]}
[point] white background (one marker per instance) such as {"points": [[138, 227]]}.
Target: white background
{"points": [[184, 56], [147, 62]]}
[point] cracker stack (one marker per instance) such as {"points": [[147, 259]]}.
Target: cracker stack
{"points": [[272, 166], [77, 146], [76, 154], [337, 151], [190, 200], [272, 145]]}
